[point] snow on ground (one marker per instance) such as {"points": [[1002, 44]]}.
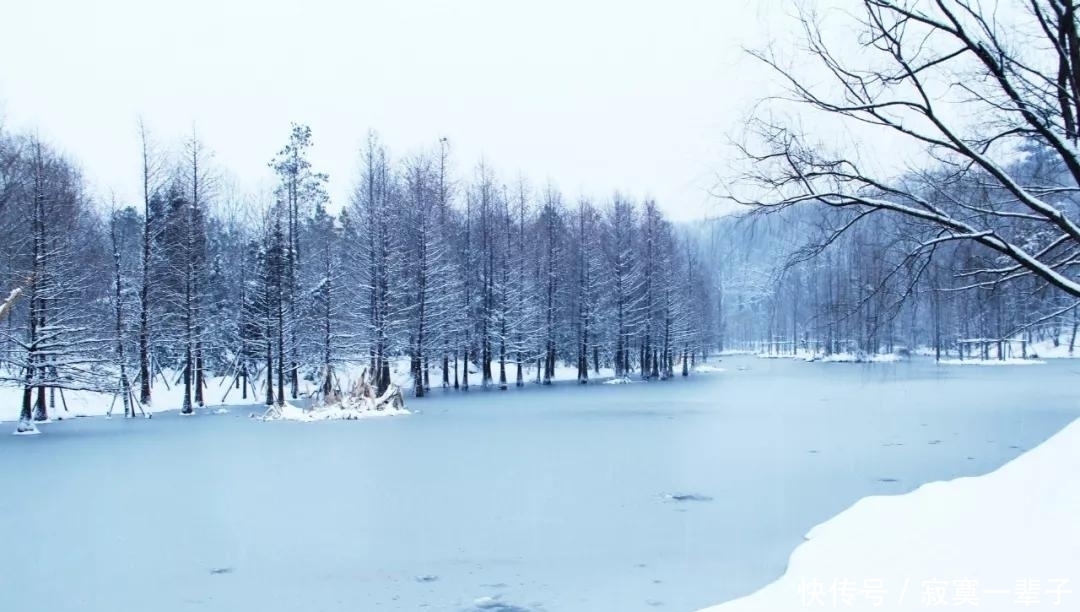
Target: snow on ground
{"points": [[991, 362], [845, 357], [1003, 541], [222, 392], [707, 368], [337, 412], [1046, 349], [856, 358], [835, 357], [625, 380], [1043, 349], [218, 392], [27, 430]]}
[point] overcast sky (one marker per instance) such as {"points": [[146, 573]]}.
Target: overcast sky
{"points": [[593, 96]]}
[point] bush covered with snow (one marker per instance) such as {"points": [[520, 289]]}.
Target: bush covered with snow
{"points": [[359, 402]]}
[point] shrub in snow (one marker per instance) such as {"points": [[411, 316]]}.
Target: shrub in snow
{"points": [[359, 402]]}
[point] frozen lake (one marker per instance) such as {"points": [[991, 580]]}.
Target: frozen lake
{"points": [[546, 499]]}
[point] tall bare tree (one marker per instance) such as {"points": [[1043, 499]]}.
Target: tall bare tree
{"points": [[974, 88], [150, 175]]}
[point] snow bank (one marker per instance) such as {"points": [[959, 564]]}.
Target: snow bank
{"points": [[345, 411], [991, 362], [836, 357], [855, 358], [1042, 349], [777, 356], [1003, 541], [708, 369], [1045, 349], [625, 380], [219, 391], [26, 429]]}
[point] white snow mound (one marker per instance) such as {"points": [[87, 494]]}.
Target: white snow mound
{"points": [[344, 411], [856, 358], [1003, 541], [26, 429]]}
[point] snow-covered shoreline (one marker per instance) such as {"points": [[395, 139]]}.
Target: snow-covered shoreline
{"points": [[337, 412], [991, 362], [1002, 541], [223, 392]]}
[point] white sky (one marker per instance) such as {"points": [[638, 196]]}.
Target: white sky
{"points": [[592, 95]]}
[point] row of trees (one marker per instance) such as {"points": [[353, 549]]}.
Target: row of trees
{"points": [[57, 331], [792, 284], [457, 275], [473, 281]]}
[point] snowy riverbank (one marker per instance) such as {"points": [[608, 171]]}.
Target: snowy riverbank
{"points": [[337, 412], [224, 392], [991, 362], [1003, 541]]}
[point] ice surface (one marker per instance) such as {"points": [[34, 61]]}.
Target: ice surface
{"points": [[542, 499]]}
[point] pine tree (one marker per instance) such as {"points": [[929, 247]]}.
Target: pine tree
{"points": [[300, 189]]}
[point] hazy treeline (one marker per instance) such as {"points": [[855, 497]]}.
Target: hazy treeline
{"points": [[826, 279]]}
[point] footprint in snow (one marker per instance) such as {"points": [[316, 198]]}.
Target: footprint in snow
{"points": [[427, 578], [887, 480], [217, 571], [934, 442]]}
